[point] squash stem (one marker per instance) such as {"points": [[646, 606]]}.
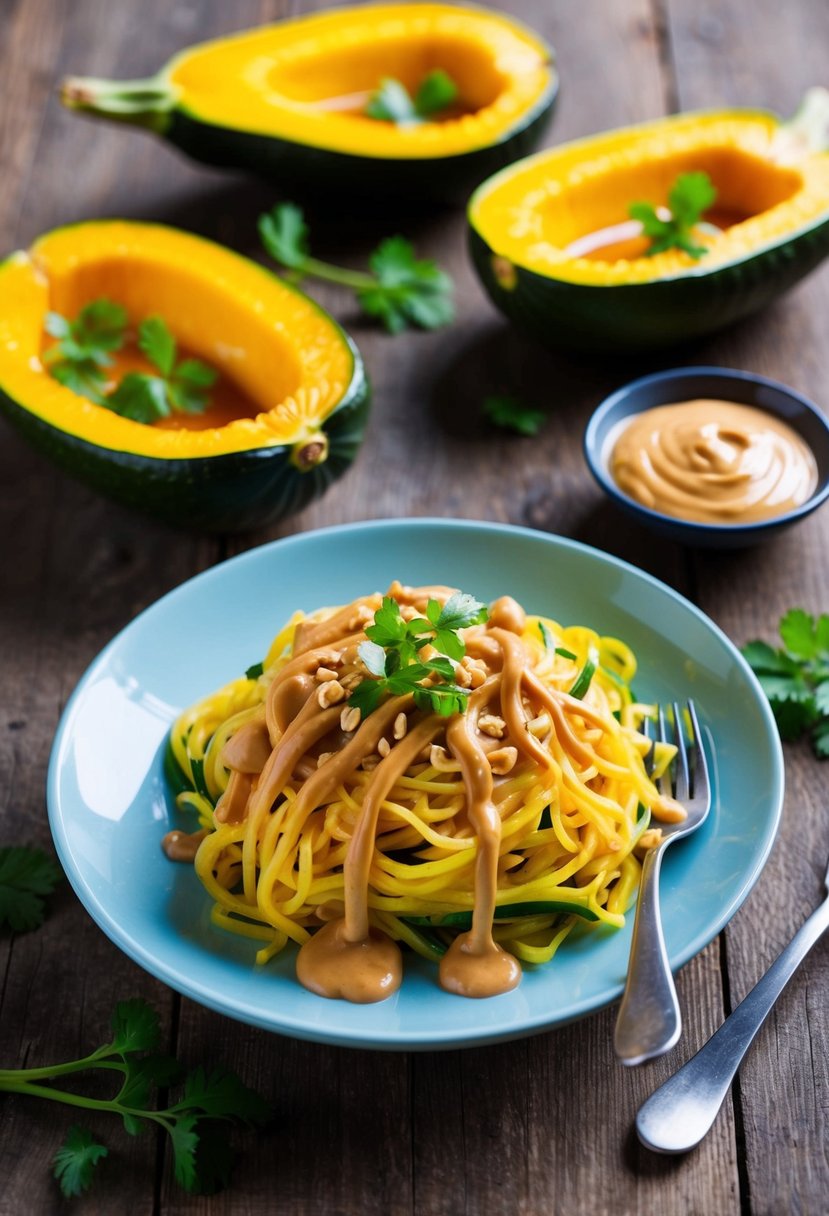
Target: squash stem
{"points": [[143, 103], [310, 452]]}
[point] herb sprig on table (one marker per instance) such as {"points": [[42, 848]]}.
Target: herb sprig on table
{"points": [[392, 101], [690, 196], [795, 677], [83, 353], [392, 655], [27, 875], [399, 289], [510, 414], [195, 1122]]}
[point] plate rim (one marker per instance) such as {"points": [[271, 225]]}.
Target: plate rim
{"points": [[291, 1025]]}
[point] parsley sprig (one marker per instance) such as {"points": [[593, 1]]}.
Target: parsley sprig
{"points": [[392, 655], [26, 875], [399, 290], [392, 101], [83, 353], [84, 347], [512, 415], [181, 386], [193, 1122], [690, 195], [795, 677]]}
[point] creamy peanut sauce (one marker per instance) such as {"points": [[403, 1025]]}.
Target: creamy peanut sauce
{"points": [[713, 462], [298, 734]]}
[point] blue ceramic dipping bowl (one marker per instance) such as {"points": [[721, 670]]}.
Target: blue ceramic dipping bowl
{"points": [[686, 384]]}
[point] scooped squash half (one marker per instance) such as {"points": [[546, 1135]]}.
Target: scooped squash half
{"points": [[287, 101], [772, 209], [289, 407]]}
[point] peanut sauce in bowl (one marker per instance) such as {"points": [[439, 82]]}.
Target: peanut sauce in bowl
{"points": [[710, 456]]}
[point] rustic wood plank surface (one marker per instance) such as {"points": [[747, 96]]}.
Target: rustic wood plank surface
{"points": [[539, 1126]]}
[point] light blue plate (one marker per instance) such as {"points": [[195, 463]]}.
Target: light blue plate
{"points": [[109, 808]]}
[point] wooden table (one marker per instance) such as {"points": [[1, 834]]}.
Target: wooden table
{"points": [[539, 1126]]}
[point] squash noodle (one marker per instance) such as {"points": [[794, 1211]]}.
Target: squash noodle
{"points": [[280, 778]]}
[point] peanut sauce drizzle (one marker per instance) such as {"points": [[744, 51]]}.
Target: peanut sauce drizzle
{"points": [[347, 957]]}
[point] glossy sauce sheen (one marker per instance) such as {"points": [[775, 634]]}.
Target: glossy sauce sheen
{"points": [[713, 462]]}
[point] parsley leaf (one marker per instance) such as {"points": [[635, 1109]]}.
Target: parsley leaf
{"points": [[392, 102], [202, 1161], [254, 671], [75, 1161], [26, 875], [512, 415], [182, 387], [690, 196], [284, 234], [399, 290], [795, 678], [390, 655], [84, 346]]}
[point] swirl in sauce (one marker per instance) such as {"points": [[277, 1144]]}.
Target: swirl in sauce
{"points": [[713, 462]]}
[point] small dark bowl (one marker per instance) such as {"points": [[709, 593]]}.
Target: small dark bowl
{"points": [[685, 384]]}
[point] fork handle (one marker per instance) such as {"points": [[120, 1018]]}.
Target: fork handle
{"points": [[649, 1022], [678, 1114]]}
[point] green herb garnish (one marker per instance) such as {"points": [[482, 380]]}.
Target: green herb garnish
{"points": [[690, 195], [399, 291], [181, 387], [26, 875], [201, 1158], [83, 352], [512, 415], [392, 102], [582, 681], [84, 346], [795, 678], [391, 655], [255, 671]]}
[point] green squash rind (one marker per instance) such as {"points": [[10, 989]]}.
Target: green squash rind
{"points": [[645, 316], [443, 178], [232, 492]]}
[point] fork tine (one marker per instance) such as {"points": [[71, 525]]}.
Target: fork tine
{"points": [[702, 783], [665, 783], [683, 782]]}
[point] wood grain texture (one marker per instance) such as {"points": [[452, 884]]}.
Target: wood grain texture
{"points": [[540, 1126]]}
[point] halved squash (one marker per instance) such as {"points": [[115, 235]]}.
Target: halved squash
{"points": [[290, 405], [287, 101], [527, 224]]}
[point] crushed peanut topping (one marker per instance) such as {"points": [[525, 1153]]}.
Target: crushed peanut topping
{"points": [[401, 725], [384, 747], [330, 693], [492, 725], [322, 674], [440, 759], [350, 718], [503, 760]]}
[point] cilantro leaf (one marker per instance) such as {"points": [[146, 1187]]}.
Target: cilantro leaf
{"points": [[26, 875], [511, 415], [140, 397], [255, 671], [690, 196], [143, 1074], [436, 91], [392, 101], [391, 655], [399, 291], [795, 678], [135, 1026], [157, 342], [407, 290], [459, 612], [189, 384], [221, 1095], [83, 348], [184, 1140], [75, 1161], [284, 234]]}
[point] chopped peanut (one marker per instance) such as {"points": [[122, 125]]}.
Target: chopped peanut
{"points": [[492, 725], [503, 760], [330, 693], [350, 718]]}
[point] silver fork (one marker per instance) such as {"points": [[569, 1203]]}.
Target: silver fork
{"points": [[649, 1022], [678, 1114]]}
